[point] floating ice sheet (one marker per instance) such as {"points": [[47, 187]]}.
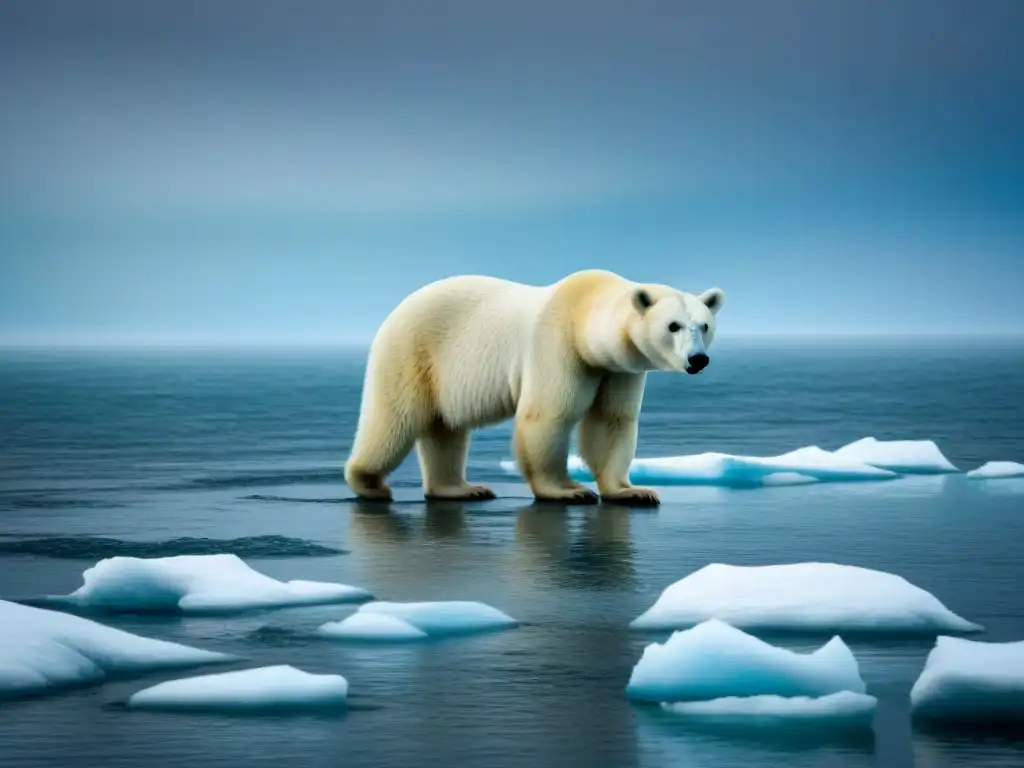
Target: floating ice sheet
{"points": [[42, 650], [844, 708], [714, 660], [391, 621], [375, 627], [865, 459], [997, 470], [265, 689], [814, 597], [903, 456], [971, 681], [196, 584], [805, 465]]}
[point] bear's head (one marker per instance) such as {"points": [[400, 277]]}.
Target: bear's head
{"points": [[673, 329]]}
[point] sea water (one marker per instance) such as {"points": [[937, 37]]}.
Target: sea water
{"points": [[160, 453]]}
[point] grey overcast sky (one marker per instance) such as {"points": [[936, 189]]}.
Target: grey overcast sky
{"points": [[286, 171]]}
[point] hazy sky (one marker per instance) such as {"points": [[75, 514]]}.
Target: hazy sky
{"points": [[203, 170]]}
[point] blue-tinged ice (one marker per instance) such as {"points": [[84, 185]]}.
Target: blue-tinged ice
{"points": [[997, 470], [715, 660], [376, 627], [866, 459], [799, 467], [42, 650], [265, 689], [844, 708], [903, 456], [813, 597], [433, 619], [966, 680], [196, 584]]}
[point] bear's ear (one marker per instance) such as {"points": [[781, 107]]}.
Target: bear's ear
{"points": [[713, 299], [642, 300]]}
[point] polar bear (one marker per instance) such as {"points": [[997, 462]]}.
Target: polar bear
{"points": [[470, 351]]}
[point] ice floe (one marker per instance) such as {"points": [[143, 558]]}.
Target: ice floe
{"points": [[376, 627], [841, 708], [195, 584], [997, 470], [383, 620], [42, 650], [810, 464], [903, 456], [969, 680], [865, 459], [272, 689], [714, 660], [813, 597]]}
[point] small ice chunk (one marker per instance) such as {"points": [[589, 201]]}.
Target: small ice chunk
{"points": [[835, 709], [41, 649], [971, 680], [714, 660], [811, 463], [997, 470], [815, 597], [196, 584], [903, 456], [275, 688], [444, 617], [378, 627]]}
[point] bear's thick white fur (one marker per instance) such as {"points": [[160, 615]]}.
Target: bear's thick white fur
{"points": [[470, 351]]}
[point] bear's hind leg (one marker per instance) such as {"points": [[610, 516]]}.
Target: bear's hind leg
{"points": [[382, 443], [442, 453]]}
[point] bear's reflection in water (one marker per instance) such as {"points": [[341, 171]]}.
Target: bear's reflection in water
{"points": [[590, 549], [575, 547]]}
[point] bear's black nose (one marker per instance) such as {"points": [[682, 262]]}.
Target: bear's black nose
{"points": [[697, 363]]}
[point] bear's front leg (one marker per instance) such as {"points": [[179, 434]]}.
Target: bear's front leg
{"points": [[542, 451], [607, 439]]}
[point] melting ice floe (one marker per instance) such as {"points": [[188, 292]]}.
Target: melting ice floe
{"points": [[842, 708], [969, 680], [866, 459], [377, 627], [715, 660], [195, 584], [814, 597], [997, 470], [273, 688], [386, 621], [903, 456], [41, 650]]}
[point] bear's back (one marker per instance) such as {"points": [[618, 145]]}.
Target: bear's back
{"points": [[471, 333]]}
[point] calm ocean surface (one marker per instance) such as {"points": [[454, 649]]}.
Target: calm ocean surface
{"points": [[105, 453]]}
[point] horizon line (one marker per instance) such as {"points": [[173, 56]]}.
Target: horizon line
{"points": [[312, 344]]}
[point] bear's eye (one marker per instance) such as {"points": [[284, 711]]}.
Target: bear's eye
{"points": [[704, 328], [674, 327]]}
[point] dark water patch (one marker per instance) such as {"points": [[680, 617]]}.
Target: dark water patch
{"points": [[317, 710], [772, 735], [373, 506], [353, 704], [282, 637], [1006, 729], [256, 479], [45, 501], [296, 499], [99, 548]]}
